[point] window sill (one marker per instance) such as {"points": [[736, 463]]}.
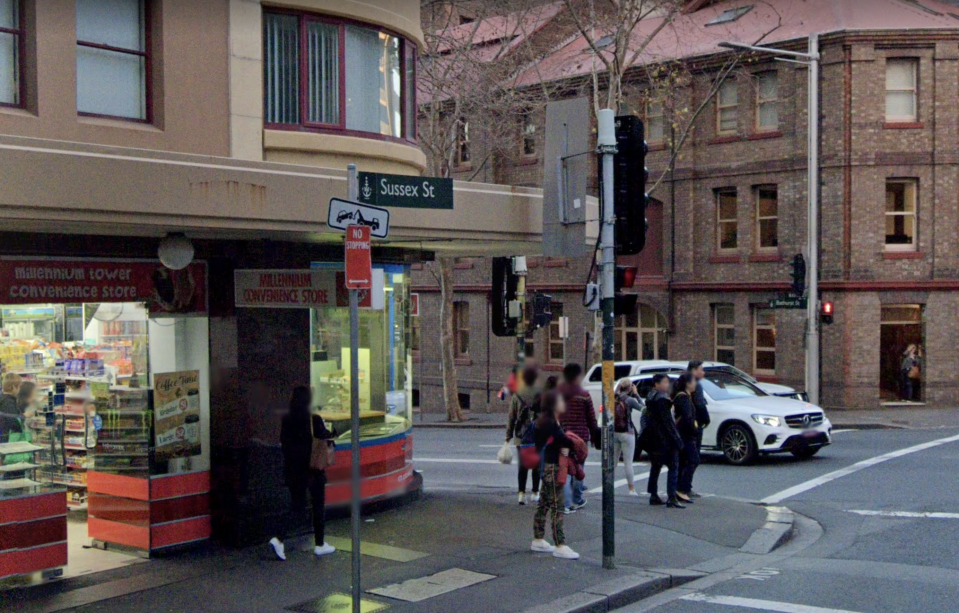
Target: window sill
{"points": [[417, 266], [552, 367], [765, 135], [118, 122], [766, 257], [17, 111], [722, 140], [464, 361], [462, 265], [903, 125], [766, 378], [555, 263], [657, 146], [462, 168], [903, 255], [527, 160], [725, 259]]}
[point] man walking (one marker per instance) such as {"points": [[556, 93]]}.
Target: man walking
{"points": [[695, 368], [580, 419]]}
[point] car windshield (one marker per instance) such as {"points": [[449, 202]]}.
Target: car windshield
{"points": [[726, 386], [726, 368]]}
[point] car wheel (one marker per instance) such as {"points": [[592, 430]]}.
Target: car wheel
{"points": [[738, 445], [804, 453]]}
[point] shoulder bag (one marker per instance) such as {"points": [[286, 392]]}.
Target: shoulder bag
{"points": [[322, 453]]}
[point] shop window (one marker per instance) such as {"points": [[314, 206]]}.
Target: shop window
{"points": [[463, 155], [901, 203], [727, 222], [464, 399], [764, 341], [724, 333], [655, 122], [529, 135], [556, 345], [767, 102], [902, 90], [11, 53], [767, 218], [727, 108], [323, 73], [113, 58], [461, 328], [641, 335]]}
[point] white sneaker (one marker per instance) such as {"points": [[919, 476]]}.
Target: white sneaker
{"points": [[565, 553], [325, 550], [278, 548], [522, 498], [568, 511], [535, 498], [633, 492], [541, 546]]}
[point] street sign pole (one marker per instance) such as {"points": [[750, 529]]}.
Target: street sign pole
{"points": [[353, 194]]}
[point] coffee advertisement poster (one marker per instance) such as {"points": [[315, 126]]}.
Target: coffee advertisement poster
{"points": [[176, 414]]}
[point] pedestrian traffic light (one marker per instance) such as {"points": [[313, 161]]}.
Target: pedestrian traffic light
{"points": [[799, 275], [625, 304], [826, 313], [629, 185], [542, 310], [505, 285]]}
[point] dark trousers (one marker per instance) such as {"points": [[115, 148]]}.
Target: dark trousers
{"points": [[315, 483], [524, 475], [905, 385], [657, 460], [688, 462]]}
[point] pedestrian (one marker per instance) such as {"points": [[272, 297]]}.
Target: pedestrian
{"points": [[688, 429], [661, 440], [695, 368], [552, 382], [580, 419], [552, 442], [512, 382], [299, 427], [523, 409], [27, 399], [10, 422], [909, 370], [624, 432]]}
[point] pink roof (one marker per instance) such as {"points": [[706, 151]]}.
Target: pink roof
{"points": [[772, 21]]}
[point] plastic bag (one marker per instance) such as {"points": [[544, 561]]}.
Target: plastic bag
{"points": [[505, 454]]}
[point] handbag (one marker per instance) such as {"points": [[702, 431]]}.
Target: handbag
{"points": [[322, 453], [914, 372]]}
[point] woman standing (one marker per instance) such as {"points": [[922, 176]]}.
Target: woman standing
{"points": [[299, 427], [552, 442], [688, 430], [662, 442], [908, 370], [624, 436], [10, 422], [27, 399], [523, 407]]}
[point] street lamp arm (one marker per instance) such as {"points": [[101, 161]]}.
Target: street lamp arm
{"points": [[745, 47]]}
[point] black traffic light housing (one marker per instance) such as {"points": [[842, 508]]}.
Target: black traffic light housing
{"points": [[505, 285], [625, 279], [826, 313], [629, 185], [799, 275]]}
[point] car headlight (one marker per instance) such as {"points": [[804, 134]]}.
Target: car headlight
{"points": [[767, 420]]}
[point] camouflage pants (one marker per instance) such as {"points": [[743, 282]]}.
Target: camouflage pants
{"points": [[550, 502]]}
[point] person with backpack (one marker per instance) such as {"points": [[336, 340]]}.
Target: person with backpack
{"points": [[624, 432], [523, 409], [662, 442], [688, 429], [695, 368], [552, 443]]}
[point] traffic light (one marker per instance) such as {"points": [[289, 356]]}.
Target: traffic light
{"points": [[542, 310], [799, 275], [625, 279], [629, 185], [505, 284], [826, 312]]}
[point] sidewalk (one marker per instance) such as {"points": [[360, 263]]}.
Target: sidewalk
{"points": [[483, 532]]}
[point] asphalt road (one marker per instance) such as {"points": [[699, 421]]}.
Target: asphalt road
{"points": [[883, 505]]}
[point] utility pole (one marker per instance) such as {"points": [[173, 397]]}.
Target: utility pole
{"points": [[353, 188], [812, 238], [606, 148]]}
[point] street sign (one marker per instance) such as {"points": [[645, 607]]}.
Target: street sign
{"points": [[404, 191], [344, 213], [787, 302], [359, 262]]}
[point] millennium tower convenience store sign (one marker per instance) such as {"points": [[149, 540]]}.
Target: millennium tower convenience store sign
{"points": [[405, 192]]}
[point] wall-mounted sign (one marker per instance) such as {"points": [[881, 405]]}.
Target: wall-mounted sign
{"points": [[787, 302], [302, 289], [176, 414], [406, 192]]}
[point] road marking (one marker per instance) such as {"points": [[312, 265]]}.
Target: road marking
{"points": [[908, 514], [760, 605], [814, 483], [471, 461], [841, 431], [490, 446], [762, 574]]}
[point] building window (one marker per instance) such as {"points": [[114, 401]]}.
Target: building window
{"points": [[767, 218], [724, 333], [902, 91], [463, 143], [655, 122], [461, 328], [554, 341], [767, 102], [901, 214], [11, 53], [529, 135], [113, 59], [415, 333], [727, 224], [727, 108], [641, 335], [325, 74], [764, 342]]}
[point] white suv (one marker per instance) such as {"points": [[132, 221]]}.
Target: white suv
{"points": [[773, 389], [593, 381]]}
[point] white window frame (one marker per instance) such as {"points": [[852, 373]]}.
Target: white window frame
{"points": [[763, 102], [913, 89], [622, 332], [655, 112], [527, 136], [724, 109], [760, 218], [460, 327], [757, 327], [723, 221], [463, 143], [718, 326], [911, 185], [552, 334]]}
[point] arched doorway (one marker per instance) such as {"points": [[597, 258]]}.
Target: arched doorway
{"points": [[641, 335]]}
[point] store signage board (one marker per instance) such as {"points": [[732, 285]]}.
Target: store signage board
{"points": [[405, 192], [359, 262], [176, 416], [302, 289], [344, 214], [787, 302]]}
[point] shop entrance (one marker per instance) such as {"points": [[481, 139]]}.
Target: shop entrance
{"points": [[901, 326]]}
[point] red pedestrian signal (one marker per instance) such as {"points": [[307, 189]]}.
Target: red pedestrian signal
{"points": [[826, 313]]}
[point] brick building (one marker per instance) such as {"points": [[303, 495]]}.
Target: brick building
{"points": [[726, 223]]}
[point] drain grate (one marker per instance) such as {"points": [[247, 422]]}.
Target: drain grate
{"points": [[415, 590], [337, 603]]}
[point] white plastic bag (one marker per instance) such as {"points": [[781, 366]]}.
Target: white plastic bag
{"points": [[505, 454]]}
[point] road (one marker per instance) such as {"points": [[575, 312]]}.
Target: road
{"points": [[882, 509]]}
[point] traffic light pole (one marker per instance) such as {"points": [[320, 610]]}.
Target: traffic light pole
{"points": [[812, 303], [606, 142], [520, 272]]}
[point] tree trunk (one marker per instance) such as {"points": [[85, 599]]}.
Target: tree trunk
{"points": [[448, 346]]}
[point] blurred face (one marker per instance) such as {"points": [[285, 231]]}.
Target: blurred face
{"points": [[699, 373], [691, 386], [664, 385]]}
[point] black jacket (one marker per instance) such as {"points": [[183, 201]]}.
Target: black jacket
{"points": [[660, 434], [297, 443], [685, 417], [699, 401], [546, 428], [9, 417]]}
